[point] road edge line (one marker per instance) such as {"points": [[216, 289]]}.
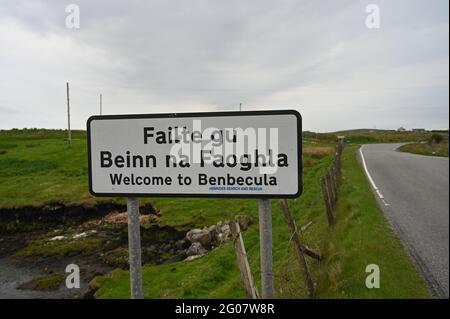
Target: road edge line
{"points": [[366, 170]]}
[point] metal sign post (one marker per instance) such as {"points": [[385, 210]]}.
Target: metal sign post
{"points": [[265, 238], [134, 248]]}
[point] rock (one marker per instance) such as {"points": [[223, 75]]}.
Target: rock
{"points": [[222, 238], [201, 236], [195, 249], [221, 233], [84, 234], [213, 231], [245, 221], [204, 239], [57, 238], [225, 229], [193, 257], [225, 232]]}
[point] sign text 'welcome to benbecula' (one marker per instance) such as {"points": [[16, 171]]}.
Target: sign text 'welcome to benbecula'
{"points": [[220, 154]]}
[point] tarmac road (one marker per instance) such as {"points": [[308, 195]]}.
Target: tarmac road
{"points": [[413, 191]]}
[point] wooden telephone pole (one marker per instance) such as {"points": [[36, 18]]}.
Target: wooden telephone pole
{"points": [[101, 106], [69, 136]]}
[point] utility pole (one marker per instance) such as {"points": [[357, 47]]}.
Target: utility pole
{"points": [[69, 136], [101, 104], [240, 107]]}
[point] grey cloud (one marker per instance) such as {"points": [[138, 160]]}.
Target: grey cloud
{"points": [[160, 56]]}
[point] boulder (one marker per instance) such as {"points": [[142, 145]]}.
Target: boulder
{"points": [[213, 231], [202, 236], [222, 233], [225, 229], [221, 238], [196, 249]]}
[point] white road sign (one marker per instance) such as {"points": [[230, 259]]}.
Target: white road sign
{"points": [[221, 154]]}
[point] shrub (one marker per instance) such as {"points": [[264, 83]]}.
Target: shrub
{"points": [[436, 138]]}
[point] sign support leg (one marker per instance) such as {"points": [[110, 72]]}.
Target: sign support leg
{"points": [[265, 236], [134, 248]]}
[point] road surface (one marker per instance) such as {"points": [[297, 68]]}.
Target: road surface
{"points": [[413, 191]]}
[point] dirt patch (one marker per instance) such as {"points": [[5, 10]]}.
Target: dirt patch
{"points": [[122, 218], [53, 215]]}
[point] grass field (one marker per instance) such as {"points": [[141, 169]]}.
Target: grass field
{"points": [[433, 149], [383, 136], [38, 169]]}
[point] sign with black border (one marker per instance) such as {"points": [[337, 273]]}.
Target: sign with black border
{"points": [[123, 149]]}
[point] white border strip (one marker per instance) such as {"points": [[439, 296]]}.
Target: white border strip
{"points": [[375, 187]]}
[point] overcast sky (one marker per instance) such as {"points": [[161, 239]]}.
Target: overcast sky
{"points": [[315, 56]]}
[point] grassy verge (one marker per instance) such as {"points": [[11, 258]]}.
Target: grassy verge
{"points": [[434, 149], [362, 236]]}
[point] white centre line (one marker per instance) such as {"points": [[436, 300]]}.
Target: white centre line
{"points": [[374, 186]]}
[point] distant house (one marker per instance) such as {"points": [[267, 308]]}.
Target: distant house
{"points": [[401, 129], [419, 130]]}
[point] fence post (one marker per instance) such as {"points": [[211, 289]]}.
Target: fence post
{"points": [[244, 266], [327, 200], [335, 181], [298, 248], [329, 185]]}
